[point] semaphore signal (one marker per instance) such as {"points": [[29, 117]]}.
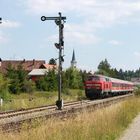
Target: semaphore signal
{"points": [[60, 20]]}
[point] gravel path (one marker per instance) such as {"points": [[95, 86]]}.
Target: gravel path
{"points": [[133, 132]]}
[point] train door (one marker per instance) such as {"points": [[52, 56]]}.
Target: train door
{"points": [[107, 84]]}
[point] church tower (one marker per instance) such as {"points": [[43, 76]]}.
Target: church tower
{"points": [[73, 61]]}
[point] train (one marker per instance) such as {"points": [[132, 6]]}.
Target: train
{"points": [[100, 86]]}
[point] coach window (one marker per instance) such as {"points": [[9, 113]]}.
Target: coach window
{"points": [[113, 84]]}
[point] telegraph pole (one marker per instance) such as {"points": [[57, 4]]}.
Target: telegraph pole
{"points": [[60, 20]]}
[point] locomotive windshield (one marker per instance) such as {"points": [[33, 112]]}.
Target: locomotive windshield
{"points": [[93, 78]]}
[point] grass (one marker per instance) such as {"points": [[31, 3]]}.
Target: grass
{"points": [[103, 124], [25, 100]]}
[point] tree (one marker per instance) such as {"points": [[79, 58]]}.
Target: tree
{"points": [[41, 84], [73, 79], [4, 93], [104, 68], [48, 82], [84, 75], [51, 79], [104, 65], [52, 61], [121, 74], [18, 80], [14, 85]]}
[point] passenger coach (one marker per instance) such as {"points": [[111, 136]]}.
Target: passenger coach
{"points": [[99, 86]]}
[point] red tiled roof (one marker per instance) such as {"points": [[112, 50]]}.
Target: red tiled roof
{"points": [[48, 66], [28, 65]]}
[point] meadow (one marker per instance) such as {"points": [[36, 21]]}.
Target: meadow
{"points": [[28, 100], [103, 124]]}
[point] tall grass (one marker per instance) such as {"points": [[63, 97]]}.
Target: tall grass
{"points": [[104, 124], [25, 100]]}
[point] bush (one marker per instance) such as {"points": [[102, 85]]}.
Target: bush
{"points": [[48, 82], [14, 86], [72, 78], [41, 84], [80, 95], [4, 88], [137, 91], [66, 91], [17, 79], [28, 86]]}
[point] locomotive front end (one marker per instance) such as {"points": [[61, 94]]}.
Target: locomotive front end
{"points": [[93, 87]]}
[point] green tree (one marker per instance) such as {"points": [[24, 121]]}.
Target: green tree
{"points": [[104, 65], [48, 82], [41, 84], [51, 79], [52, 61], [73, 78], [104, 68], [4, 93], [14, 85], [19, 80]]}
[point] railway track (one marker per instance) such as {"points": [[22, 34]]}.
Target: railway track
{"points": [[11, 120], [13, 113]]}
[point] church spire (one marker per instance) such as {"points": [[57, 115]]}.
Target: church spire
{"points": [[73, 61]]}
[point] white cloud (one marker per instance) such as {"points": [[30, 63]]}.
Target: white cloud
{"points": [[99, 12], [92, 14], [9, 24], [78, 34], [115, 42], [54, 6]]}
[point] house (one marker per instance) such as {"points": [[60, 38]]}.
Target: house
{"points": [[37, 73], [42, 71], [48, 66], [27, 65]]}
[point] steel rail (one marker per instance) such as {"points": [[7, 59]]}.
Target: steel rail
{"points": [[14, 121], [36, 109]]}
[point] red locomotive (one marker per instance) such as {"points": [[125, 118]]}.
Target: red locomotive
{"points": [[99, 86]]}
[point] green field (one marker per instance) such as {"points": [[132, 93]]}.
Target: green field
{"points": [[25, 100]]}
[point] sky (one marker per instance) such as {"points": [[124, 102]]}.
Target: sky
{"points": [[95, 29]]}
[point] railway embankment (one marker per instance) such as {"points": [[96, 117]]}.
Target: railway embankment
{"points": [[11, 121], [107, 123]]}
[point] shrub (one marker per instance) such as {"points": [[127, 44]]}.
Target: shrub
{"points": [[80, 95], [4, 88], [41, 84], [73, 78], [137, 91], [66, 91], [14, 86], [28, 86], [48, 82]]}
